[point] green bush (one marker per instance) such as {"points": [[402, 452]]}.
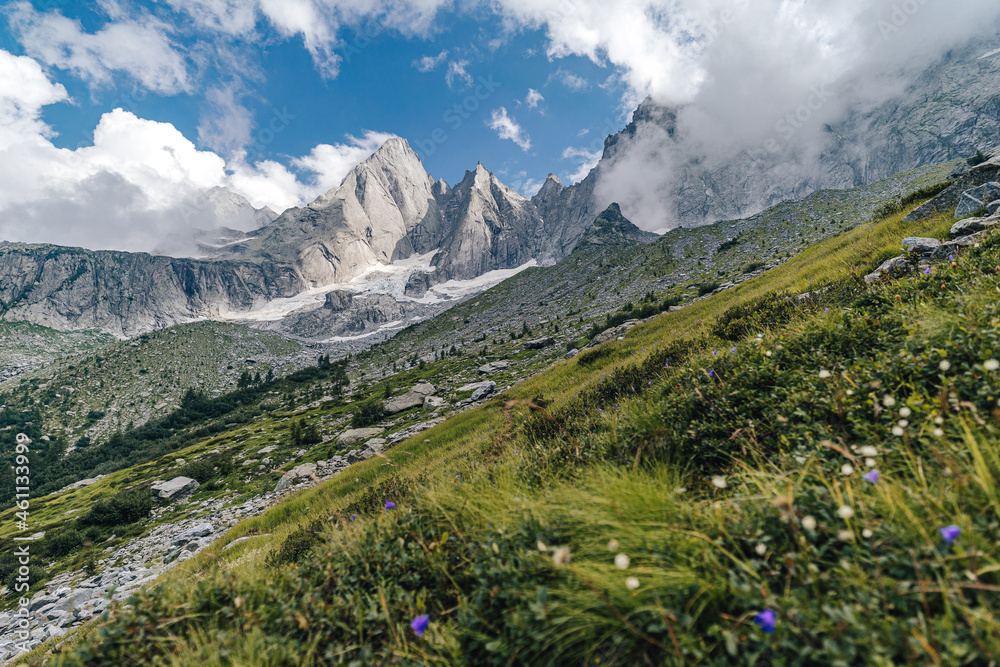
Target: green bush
{"points": [[200, 471], [755, 316], [707, 288], [61, 543], [369, 413], [120, 510]]}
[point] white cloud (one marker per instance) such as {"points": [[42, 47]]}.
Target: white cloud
{"points": [[233, 17], [588, 160], [141, 49], [508, 128], [430, 63], [226, 125], [457, 71], [534, 98], [330, 163], [570, 80], [24, 90]]}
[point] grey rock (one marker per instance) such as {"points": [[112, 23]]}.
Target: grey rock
{"points": [[993, 207], [306, 470], [201, 530], [356, 435], [971, 226], [539, 343], [411, 399], [572, 353], [175, 489], [493, 367], [486, 389], [39, 602], [893, 268], [920, 245], [976, 199], [434, 402], [614, 333]]}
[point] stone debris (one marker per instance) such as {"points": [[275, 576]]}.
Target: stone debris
{"points": [[175, 489]]}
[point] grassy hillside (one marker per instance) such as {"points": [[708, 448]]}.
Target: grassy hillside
{"points": [[692, 494]]}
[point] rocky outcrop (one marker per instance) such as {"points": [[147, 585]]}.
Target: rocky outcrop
{"points": [[611, 228], [977, 199], [175, 489], [356, 435], [412, 399]]}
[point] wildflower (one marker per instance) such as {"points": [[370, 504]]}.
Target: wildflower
{"points": [[768, 353], [845, 535], [938, 433], [561, 556], [847, 469], [622, 561], [905, 412], [850, 392], [715, 353], [389, 504], [945, 365], [631, 583], [824, 374], [541, 546], [809, 523], [870, 463], [991, 365], [927, 272], [949, 533], [766, 620], [871, 477], [733, 350], [867, 533], [613, 545], [845, 512], [419, 624], [719, 482], [868, 450], [903, 423], [939, 420], [761, 549], [826, 310], [951, 258], [679, 490], [897, 431], [353, 517], [888, 401]]}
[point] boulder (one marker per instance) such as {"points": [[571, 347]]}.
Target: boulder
{"points": [[434, 402], [411, 399], [370, 449], [293, 475], [474, 386], [539, 343], [485, 390], [977, 199], [201, 530], [572, 353], [920, 245], [493, 367], [993, 207], [356, 435], [971, 226], [175, 489], [893, 268]]}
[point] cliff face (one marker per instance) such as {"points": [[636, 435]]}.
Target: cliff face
{"points": [[125, 294]]}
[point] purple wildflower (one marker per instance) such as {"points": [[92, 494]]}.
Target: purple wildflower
{"points": [[927, 272], [871, 477], [766, 620], [419, 624], [733, 350], [711, 373], [949, 533], [353, 517], [389, 504]]}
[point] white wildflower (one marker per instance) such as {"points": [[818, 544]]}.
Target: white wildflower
{"points": [[939, 420], [845, 535], [631, 583], [561, 556], [845, 512], [809, 523], [945, 365], [868, 450], [897, 431], [768, 353], [991, 365], [903, 423], [622, 561], [905, 412], [867, 533], [719, 482], [761, 549], [613, 545], [824, 374], [938, 433], [870, 463], [541, 546], [847, 469], [888, 401], [850, 392]]}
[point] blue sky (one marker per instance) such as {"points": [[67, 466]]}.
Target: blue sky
{"points": [[438, 89]]}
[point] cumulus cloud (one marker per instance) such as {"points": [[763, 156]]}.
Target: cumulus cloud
{"points": [[572, 81], [533, 99], [139, 181], [226, 124], [233, 17], [508, 128], [141, 49]]}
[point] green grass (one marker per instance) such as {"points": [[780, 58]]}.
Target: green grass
{"points": [[486, 499]]}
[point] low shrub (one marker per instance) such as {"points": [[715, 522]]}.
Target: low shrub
{"points": [[755, 316]]}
